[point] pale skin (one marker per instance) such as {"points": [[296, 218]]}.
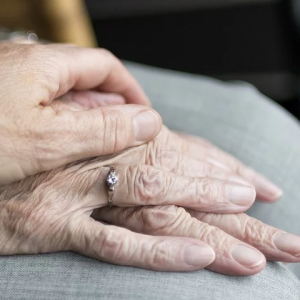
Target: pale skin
{"points": [[182, 196], [56, 211], [36, 138]]}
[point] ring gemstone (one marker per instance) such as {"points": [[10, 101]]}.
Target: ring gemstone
{"points": [[112, 179]]}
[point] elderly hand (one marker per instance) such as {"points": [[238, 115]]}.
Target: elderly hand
{"points": [[36, 135], [52, 211], [237, 239], [192, 156]]}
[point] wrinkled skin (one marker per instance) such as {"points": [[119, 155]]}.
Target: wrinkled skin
{"points": [[172, 188], [35, 136], [59, 210]]}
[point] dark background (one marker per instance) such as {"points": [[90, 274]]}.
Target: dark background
{"points": [[255, 42]]}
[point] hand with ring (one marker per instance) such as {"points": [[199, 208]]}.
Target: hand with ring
{"points": [[182, 199]]}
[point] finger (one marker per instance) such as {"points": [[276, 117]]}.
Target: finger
{"points": [[233, 257], [84, 100], [157, 155], [173, 161], [202, 150], [86, 68], [266, 190], [140, 185], [68, 136], [273, 243], [122, 247]]}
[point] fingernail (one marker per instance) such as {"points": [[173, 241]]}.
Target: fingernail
{"points": [[198, 256], [246, 256], [287, 242], [146, 125], [267, 189], [239, 194]]}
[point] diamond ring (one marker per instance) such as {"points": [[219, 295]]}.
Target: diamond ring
{"points": [[111, 180]]}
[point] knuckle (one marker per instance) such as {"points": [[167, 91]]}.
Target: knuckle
{"points": [[209, 190], [150, 185], [162, 254], [253, 230], [114, 130], [160, 219], [162, 156], [109, 59], [109, 244], [213, 236]]}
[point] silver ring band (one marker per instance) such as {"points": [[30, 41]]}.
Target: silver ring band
{"points": [[111, 181]]}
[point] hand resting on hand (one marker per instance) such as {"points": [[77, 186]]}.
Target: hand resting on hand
{"points": [[179, 193]]}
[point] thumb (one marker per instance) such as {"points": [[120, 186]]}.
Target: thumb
{"points": [[74, 135], [123, 247]]}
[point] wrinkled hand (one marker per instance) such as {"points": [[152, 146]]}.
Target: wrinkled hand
{"points": [[192, 156], [62, 120], [52, 211], [230, 235], [38, 81], [233, 237]]}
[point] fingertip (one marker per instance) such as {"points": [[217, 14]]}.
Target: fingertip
{"points": [[242, 195], [247, 256], [268, 198], [147, 124], [198, 256], [267, 190], [243, 260], [288, 243], [178, 254]]}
